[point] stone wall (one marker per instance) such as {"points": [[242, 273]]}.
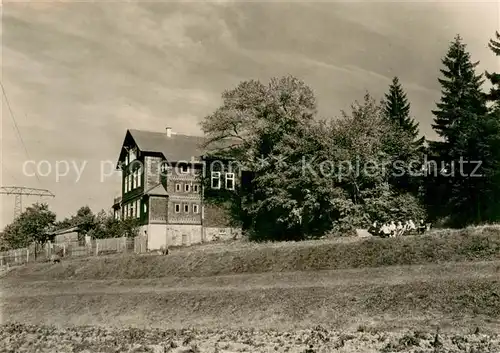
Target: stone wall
{"points": [[184, 234], [221, 234]]}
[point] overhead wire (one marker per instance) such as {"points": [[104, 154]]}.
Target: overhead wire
{"points": [[16, 126]]}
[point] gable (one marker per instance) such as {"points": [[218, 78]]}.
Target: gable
{"points": [[174, 148], [128, 142]]}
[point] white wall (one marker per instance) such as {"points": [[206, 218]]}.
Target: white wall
{"points": [[184, 234], [161, 235], [157, 236], [221, 234]]}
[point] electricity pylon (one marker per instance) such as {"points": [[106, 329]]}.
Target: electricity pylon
{"points": [[19, 192]]}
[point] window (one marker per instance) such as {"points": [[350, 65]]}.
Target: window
{"points": [[186, 208], [196, 209], [230, 181], [164, 167], [222, 230], [215, 180], [145, 207], [187, 187], [132, 210], [177, 208], [134, 180], [125, 189], [195, 188], [129, 182], [137, 209], [133, 154], [178, 187], [139, 177], [184, 169]]}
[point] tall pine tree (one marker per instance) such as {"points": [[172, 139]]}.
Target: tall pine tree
{"points": [[397, 109], [461, 120], [494, 94], [461, 93]]}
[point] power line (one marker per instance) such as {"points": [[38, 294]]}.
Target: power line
{"points": [[17, 127], [8, 172], [19, 191]]}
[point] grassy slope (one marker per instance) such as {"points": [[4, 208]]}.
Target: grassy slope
{"points": [[421, 291], [405, 303], [468, 245]]}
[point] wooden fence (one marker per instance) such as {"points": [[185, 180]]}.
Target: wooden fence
{"points": [[94, 247]]}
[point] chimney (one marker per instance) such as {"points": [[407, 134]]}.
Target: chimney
{"points": [[169, 131]]}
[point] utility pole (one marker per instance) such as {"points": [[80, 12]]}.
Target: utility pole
{"points": [[19, 192]]}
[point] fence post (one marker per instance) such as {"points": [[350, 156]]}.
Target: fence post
{"points": [[27, 255], [1, 261], [96, 248]]}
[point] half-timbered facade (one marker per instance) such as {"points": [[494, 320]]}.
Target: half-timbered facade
{"points": [[161, 187]]}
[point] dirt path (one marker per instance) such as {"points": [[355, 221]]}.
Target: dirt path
{"points": [[390, 276], [452, 296]]}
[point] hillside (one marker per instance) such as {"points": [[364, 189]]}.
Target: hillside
{"points": [[370, 295], [472, 244]]}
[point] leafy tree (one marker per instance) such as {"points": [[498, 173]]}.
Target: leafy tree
{"points": [[13, 238], [33, 225], [367, 140], [264, 121], [84, 219], [106, 226], [298, 187]]}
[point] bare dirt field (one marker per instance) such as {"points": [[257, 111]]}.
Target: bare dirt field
{"points": [[45, 339], [439, 293]]}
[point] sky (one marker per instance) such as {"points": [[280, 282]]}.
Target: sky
{"points": [[77, 75]]}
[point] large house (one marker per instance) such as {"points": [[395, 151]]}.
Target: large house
{"points": [[162, 189]]}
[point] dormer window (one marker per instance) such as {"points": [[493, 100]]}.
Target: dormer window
{"points": [[132, 155], [184, 169]]}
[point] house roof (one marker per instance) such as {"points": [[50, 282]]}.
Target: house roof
{"points": [[65, 231], [156, 190], [175, 148]]}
